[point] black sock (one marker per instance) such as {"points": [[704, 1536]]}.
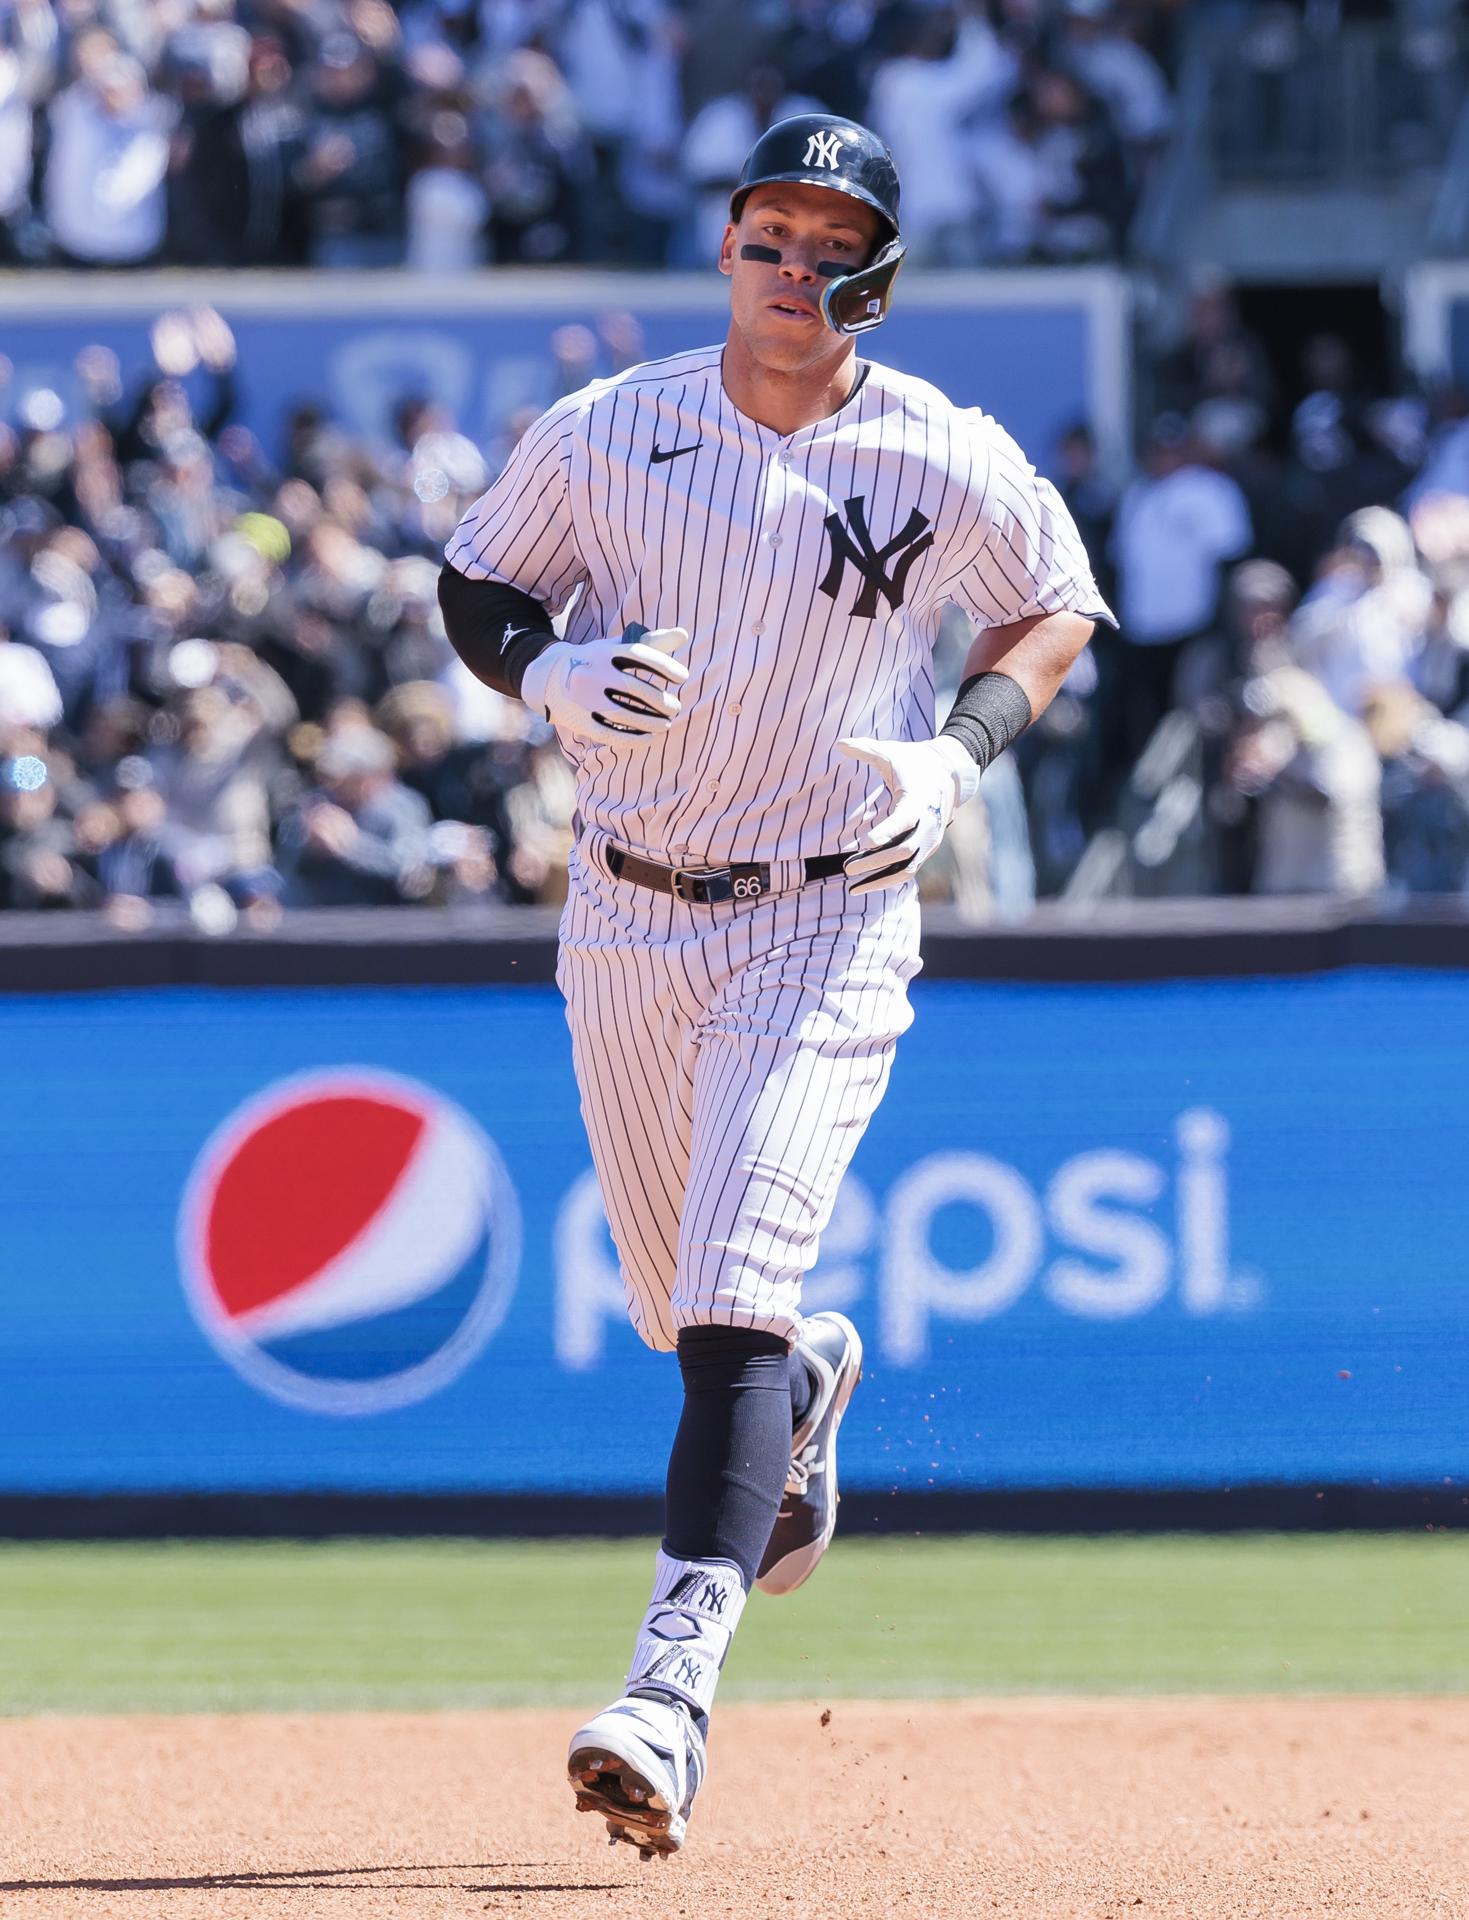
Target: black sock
{"points": [[730, 1456], [803, 1389]]}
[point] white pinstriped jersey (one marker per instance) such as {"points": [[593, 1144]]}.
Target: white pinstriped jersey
{"points": [[809, 570]]}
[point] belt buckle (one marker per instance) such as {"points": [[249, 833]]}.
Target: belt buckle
{"points": [[716, 883]]}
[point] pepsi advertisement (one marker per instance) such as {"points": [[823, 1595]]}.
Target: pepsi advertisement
{"points": [[1183, 1235]]}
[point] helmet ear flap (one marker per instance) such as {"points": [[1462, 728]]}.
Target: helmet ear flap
{"points": [[859, 301]]}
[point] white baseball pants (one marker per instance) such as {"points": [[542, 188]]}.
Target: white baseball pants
{"points": [[729, 1058]]}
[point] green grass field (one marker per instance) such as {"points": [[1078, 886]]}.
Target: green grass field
{"points": [[179, 1627]]}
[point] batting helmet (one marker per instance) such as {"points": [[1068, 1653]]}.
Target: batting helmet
{"points": [[819, 150]]}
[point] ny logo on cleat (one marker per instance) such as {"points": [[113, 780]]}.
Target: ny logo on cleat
{"points": [[850, 541]]}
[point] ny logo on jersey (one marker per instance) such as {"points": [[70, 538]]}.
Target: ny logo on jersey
{"points": [[852, 542], [823, 150]]}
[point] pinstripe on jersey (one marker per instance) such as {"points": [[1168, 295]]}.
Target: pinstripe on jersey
{"points": [[809, 570]]}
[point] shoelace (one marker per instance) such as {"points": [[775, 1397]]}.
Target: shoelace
{"points": [[803, 1467]]}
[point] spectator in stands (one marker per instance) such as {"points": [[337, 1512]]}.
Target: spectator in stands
{"points": [[133, 861], [1425, 791], [1344, 442], [360, 838], [824, 51], [535, 162], [1446, 466], [206, 184], [350, 167], [272, 136], [540, 810], [613, 54], [213, 777], [236, 156], [1218, 358], [719, 137], [62, 615], [1361, 624], [1178, 524], [1440, 666], [950, 72], [1285, 503], [1316, 783], [15, 157], [447, 207], [39, 863], [1091, 498], [104, 187], [1051, 174], [28, 694], [113, 730], [1259, 599], [650, 182], [465, 781], [29, 50], [1124, 76]]}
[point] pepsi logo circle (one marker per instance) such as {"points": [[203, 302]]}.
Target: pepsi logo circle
{"points": [[349, 1240]]}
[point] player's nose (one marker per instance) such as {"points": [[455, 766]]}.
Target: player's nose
{"points": [[798, 263]]}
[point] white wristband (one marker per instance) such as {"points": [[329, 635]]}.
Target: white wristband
{"points": [[957, 758], [537, 676]]}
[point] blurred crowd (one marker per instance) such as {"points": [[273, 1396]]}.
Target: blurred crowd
{"points": [[1292, 584], [224, 680], [445, 134]]}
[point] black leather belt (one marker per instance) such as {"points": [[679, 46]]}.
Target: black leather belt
{"points": [[706, 886]]}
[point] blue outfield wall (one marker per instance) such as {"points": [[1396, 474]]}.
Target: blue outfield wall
{"points": [[1039, 350], [1186, 1235]]}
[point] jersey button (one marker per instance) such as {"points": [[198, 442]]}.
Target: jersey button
{"points": [[758, 628], [714, 786], [734, 706], [775, 539]]}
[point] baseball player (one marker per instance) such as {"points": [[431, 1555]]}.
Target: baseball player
{"points": [[759, 537]]}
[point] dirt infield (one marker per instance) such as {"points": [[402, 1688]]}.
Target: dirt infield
{"points": [[1108, 1809]]}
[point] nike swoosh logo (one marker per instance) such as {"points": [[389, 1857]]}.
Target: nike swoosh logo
{"points": [[671, 453]]}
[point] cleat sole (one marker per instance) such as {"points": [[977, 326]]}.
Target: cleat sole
{"points": [[635, 1812]]}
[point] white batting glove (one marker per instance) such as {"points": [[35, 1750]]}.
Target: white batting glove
{"points": [[925, 781], [613, 691]]}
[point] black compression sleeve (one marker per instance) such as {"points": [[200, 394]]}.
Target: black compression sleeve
{"points": [[496, 630], [990, 710]]}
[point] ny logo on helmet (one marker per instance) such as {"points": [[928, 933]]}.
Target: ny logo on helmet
{"points": [[823, 150]]}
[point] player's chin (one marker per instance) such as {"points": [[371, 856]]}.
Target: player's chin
{"points": [[785, 346]]}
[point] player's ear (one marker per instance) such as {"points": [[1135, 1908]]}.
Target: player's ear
{"points": [[726, 249]]}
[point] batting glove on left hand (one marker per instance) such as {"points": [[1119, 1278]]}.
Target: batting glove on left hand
{"points": [[925, 780], [614, 691]]}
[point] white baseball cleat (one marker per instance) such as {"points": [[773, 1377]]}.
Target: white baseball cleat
{"points": [[832, 1348], [639, 1764]]}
